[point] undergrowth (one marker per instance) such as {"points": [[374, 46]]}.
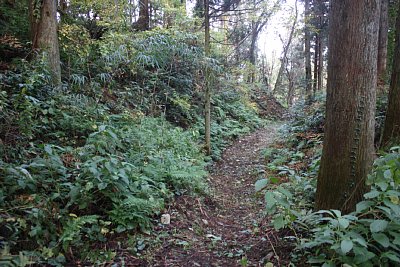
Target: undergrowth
{"points": [[62, 194], [101, 155], [368, 236]]}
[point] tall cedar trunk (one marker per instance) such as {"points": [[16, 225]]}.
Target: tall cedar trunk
{"points": [[348, 150], [44, 35], [383, 42], [307, 47], [207, 106], [320, 62], [290, 94], [252, 52], [316, 61], [278, 82], [143, 23], [391, 132], [264, 77]]}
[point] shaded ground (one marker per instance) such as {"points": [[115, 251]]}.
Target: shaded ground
{"points": [[227, 228]]}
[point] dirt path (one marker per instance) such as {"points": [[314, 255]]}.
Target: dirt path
{"points": [[227, 228]]}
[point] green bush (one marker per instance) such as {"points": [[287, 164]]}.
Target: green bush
{"points": [[370, 236], [117, 181], [367, 237]]}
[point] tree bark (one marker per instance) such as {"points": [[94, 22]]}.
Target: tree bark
{"points": [[320, 63], [348, 150], [290, 94], [307, 47], [252, 51], [391, 131], [207, 108], [143, 22], [383, 42], [316, 62], [44, 35]]}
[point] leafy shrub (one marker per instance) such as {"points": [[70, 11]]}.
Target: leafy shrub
{"points": [[306, 117], [369, 236], [13, 20], [115, 182]]}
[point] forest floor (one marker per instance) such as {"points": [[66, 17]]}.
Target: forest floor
{"points": [[226, 228]]}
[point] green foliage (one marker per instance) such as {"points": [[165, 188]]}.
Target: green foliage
{"points": [[64, 194], [294, 165], [72, 230], [369, 236], [102, 154], [233, 115], [14, 20], [306, 117], [287, 202], [158, 72]]}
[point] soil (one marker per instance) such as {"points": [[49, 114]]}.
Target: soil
{"points": [[228, 227]]}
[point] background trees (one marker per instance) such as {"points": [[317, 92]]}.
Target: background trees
{"points": [[307, 47], [391, 132], [383, 42], [286, 48]]}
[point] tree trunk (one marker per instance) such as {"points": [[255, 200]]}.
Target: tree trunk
{"points": [[383, 42], [207, 108], [264, 74], [348, 150], [290, 94], [252, 52], [44, 35], [391, 131], [307, 47], [143, 23], [278, 82], [320, 63], [316, 61]]}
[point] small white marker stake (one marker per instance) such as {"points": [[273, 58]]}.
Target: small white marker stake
{"points": [[165, 219]]}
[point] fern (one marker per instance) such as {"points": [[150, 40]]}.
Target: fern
{"points": [[72, 228], [135, 212]]}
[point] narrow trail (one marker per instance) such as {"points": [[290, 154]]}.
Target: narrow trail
{"points": [[227, 228]]}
